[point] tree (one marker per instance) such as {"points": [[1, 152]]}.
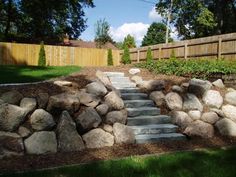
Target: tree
{"points": [[42, 55], [155, 34], [149, 59], [129, 41], [109, 58], [126, 56], [102, 35]]}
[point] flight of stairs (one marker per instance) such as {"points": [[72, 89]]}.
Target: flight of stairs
{"points": [[143, 116]]}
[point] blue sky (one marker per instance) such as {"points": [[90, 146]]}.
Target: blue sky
{"points": [[124, 16]]}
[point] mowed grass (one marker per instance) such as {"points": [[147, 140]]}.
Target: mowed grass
{"points": [[23, 74], [207, 163]]}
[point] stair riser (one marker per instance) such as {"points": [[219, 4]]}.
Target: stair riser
{"points": [[139, 104], [153, 140], [124, 85], [135, 90], [134, 97], [135, 122], [120, 80], [143, 113], [154, 131]]}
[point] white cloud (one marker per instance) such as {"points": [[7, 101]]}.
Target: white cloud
{"points": [[137, 30], [153, 15]]}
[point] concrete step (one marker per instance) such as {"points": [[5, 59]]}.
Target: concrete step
{"points": [[124, 85], [154, 129], [147, 111], [130, 90], [138, 103], [114, 74], [119, 79], [146, 120], [141, 139], [134, 96]]}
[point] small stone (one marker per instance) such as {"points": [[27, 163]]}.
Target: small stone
{"points": [[210, 117], [134, 71], [96, 88], [116, 116], [191, 102], [114, 101], [212, 98], [29, 104], [229, 112], [195, 114], [158, 97], [218, 83], [24, 132], [42, 100], [12, 97], [230, 98], [199, 87], [226, 127], [219, 112], [107, 128], [174, 101], [181, 119], [123, 134], [102, 109], [177, 89], [63, 83]]}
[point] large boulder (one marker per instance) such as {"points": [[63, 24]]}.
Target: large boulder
{"points": [[42, 99], [116, 116], [88, 119], [230, 98], [12, 97], [134, 71], [114, 101], [212, 98], [181, 119], [210, 117], [11, 117], [29, 104], [195, 114], [41, 120], [87, 99], [41, 143], [123, 134], [226, 127], [102, 109], [174, 101], [96, 88], [63, 101], [103, 78], [199, 87], [24, 132], [218, 83], [191, 102], [200, 128], [152, 85], [158, 97], [10, 144], [67, 135], [229, 112], [98, 138]]}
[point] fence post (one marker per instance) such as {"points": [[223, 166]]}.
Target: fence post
{"points": [[185, 51], [219, 47], [138, 57], [159, 53]]}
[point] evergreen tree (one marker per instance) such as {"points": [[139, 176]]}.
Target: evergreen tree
{"points": [[126, 56], [109, 58], [129, 41], [42, 55], [149, 59]]}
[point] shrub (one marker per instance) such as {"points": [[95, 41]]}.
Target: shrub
{"points": [[126, 56], [149, 56], [109, 58], [42, 55]]}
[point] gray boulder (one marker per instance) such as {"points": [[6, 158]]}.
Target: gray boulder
{"points": [[210, 117], [226, 127], [96, 88], [191, 102], [11, 144], [103, 78], [12, 97], [87, 99], [41, 120], [41, 143], [200, 128], [158, 97], [63, 101], [218, 83], [102, 109], [98, 138], [123, 134], [114, 101], [29, 104], [42, 99], [88, 119], [174, 101], [229, 112], [195, 114], [24, 132], [67, 135], [116, 116], [1, 102], [177, 89], [212, 98], [181, 119], [199, 87], [11, 117], [230, 98]]}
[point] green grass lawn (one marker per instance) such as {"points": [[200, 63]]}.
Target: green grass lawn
{"points": [[211, 163], [21, 74]]}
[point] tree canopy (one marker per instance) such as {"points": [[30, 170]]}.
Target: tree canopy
{"points": [[199, 18], [129, 41], [42, 20]]}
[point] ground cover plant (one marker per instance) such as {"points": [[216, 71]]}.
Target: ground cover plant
{"points": [[208, 163], [201, 68], [21, 74]]}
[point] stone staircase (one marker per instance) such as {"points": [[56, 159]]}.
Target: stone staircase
{"points": [[143, 116]]}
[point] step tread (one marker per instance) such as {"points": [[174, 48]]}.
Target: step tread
{"points": [[149, 117], [149, 138], [143, 109], [134, 101], [159, 126], [128, 94]]}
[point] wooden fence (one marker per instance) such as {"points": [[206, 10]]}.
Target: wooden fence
{"points": [[221, 46], [27, 54]]}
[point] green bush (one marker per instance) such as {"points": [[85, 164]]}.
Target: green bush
{"points": [[126, 56], [109, 58], [149, 59], [42, 55]]}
